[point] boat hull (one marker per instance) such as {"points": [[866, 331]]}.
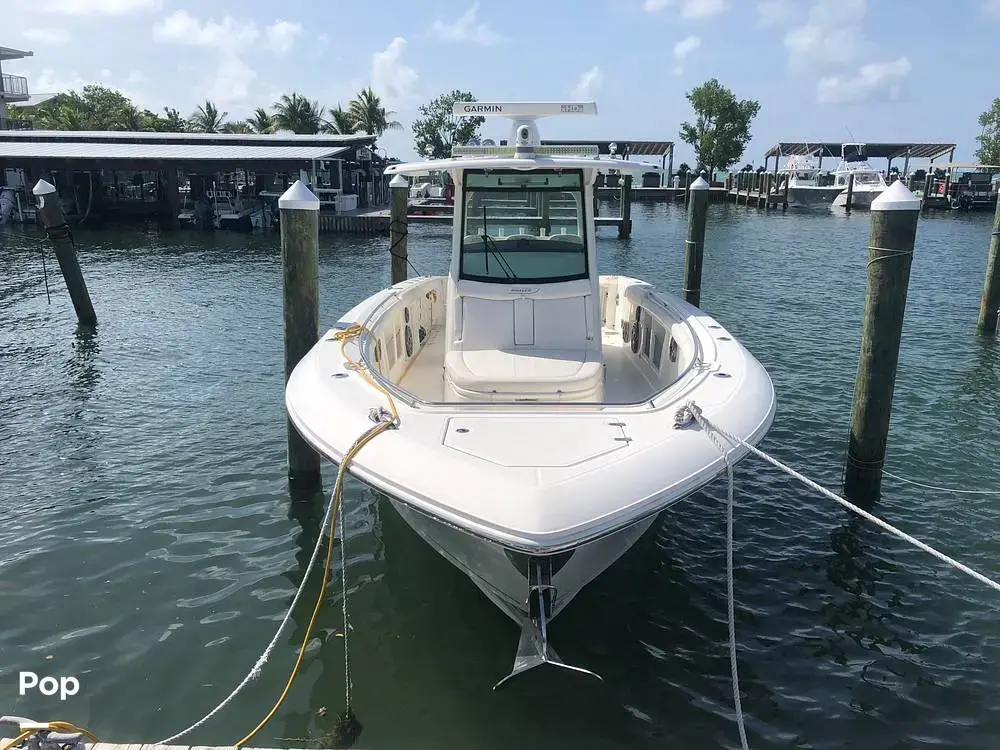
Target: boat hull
{"points": [[501, 573], [807, 197], [860, 198]]}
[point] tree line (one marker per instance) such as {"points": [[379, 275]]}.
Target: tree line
{"points": [[719, 134], [98, 107]]}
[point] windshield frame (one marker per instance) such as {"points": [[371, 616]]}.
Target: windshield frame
{"points": [[579, 193]]}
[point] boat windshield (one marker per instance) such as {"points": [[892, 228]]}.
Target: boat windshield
{"points": [[524, 226]]}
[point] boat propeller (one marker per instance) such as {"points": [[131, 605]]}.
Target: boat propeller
{"points": [[533, 648]]}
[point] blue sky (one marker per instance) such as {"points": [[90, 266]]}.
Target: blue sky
{"points": [[882, 70]]}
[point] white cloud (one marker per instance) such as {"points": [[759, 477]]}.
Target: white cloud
{"points": [[992, 7], [831, 38], [137, 76], [46, 36], [692, 10], [231, 82], [51, 83], [323, 40], [774, 12], [873, 82], [589, 84], [392, 78], [465, 29], [281, 36], [683, 50], [180, 27], [105, 74], [100, 7]]}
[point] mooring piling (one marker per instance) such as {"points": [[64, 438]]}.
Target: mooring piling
{"points": [[399, 196], [850, 192], [894, 216], [694, 245], [989, 305], [50, 213], [625, 225], [299, 209]]}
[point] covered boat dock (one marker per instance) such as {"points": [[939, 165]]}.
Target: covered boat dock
{"points": [[106, 174], [889, 151]]}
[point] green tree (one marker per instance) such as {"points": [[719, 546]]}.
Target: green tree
{"points": [[721, 132], [436, 130], [238, 126], [207, 118], [95, 107], [340, 121], [261, 122], [989, 139], [369, 114], [296, 113]]}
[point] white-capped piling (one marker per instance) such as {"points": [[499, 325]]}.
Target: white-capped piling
{"points": [[694, 245], [989, 305], [52, 218], [894, 216], [850, 192], [299, 209], [399, 197]]}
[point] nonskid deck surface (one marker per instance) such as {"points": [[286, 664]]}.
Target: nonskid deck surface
{"points": [[624, 383]]}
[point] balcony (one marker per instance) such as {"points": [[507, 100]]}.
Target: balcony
{"points": [[13, 88]]}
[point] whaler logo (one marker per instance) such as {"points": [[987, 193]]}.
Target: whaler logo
{"points": [[490, 108], [571, 108]]}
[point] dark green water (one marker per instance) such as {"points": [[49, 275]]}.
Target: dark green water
{"points": [[149, 547]]}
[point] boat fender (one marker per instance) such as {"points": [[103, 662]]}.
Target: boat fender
{"points": [[672, 349], [626, 330], [635, 330]]}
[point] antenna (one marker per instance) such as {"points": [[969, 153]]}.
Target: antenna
{"points": [[523, 132]]}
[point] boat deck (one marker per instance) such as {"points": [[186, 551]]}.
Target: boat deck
{"points": [[625, 381]]}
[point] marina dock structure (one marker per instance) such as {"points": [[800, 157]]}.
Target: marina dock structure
{"points": [[108, 175], [12, 88]]}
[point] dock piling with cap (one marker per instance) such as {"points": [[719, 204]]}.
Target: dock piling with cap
{"points": [[625, 225], [989, 304], [299, 209], [399, 196], [52, 218], [894, 216], [694, 245]]}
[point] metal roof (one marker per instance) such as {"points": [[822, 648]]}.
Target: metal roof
{"points": [[872, 150], [131, 136], [9, 53], [13, 149], [636, 148]]}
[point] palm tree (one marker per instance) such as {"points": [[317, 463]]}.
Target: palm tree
{"points": [[368, 114], [261, 122], [207, 118], [296, 113], [240, 126], [340, 122], [133, 118]]}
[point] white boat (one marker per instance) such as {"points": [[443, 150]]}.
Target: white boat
{"points": [[868, 183], [804, 189], [543, 417]]}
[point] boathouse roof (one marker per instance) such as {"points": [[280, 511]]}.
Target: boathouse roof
{"points": [[872, 150], [635, 148]]}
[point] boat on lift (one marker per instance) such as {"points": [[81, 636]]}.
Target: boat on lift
{"points": [[868, 183], [804, 188], [544, 410]]}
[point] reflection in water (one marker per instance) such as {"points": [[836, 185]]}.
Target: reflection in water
{"points": [[84, 375]]}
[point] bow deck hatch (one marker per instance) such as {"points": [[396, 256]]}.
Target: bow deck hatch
{"points": [[527, 442]]}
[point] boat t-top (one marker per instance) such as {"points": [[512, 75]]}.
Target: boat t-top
{"points": [[541, 411], [868, 183]]}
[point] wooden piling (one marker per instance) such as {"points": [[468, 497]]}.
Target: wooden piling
{"points": [[767, 191], [989, 305], [687, 187], [850, 192], [784, 196], [399, 192], [625, 225], [52, 218], [694, 246], [894, 217], [928, 183], [299, 209]]}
